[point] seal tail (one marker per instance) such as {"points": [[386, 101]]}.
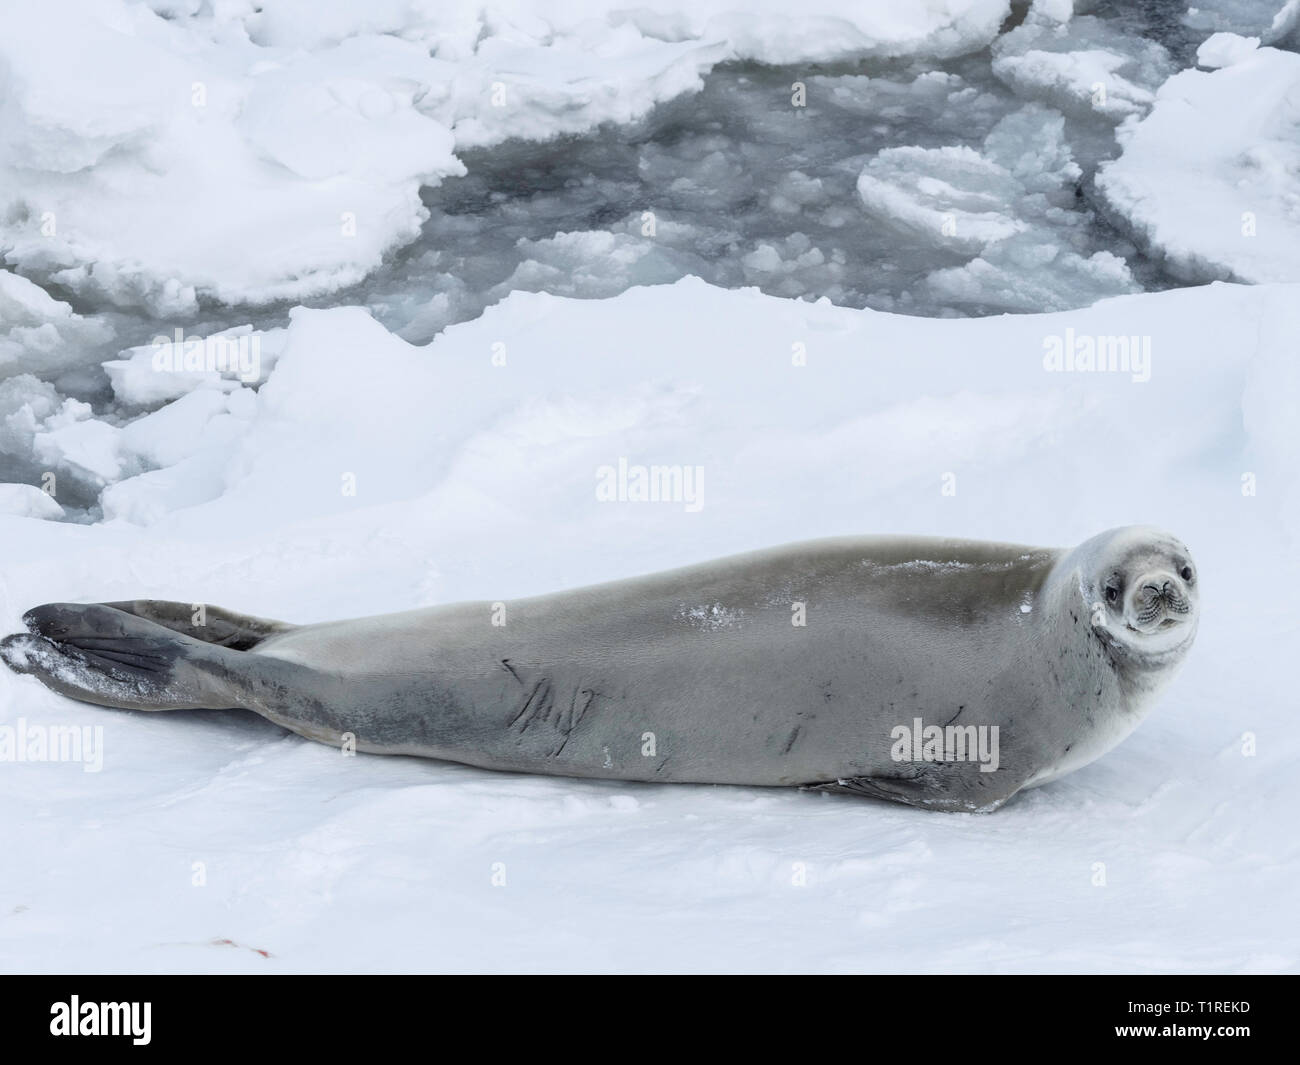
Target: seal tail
{"points": [[210, 624], [99, 653]]}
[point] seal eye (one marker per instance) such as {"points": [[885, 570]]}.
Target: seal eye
{"points": [[1112, 593], [1185, 573]]}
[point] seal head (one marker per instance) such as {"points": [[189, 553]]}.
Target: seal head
{"points": [[1141, 590], [1124, 607]]}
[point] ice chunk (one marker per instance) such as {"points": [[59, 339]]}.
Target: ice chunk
{"points": [[827, 30], [1269, 20], [190, 442], [332, 114], [761, 30], [171, 366], [1210, 179], [538, 90], [1010, 210], [71, 439], [150, 497], [1081, 67], [25, 403], [41, 334], [28, 501], [1024, 274], [1030, 144], [943, 196], [962, 199], [1224, 49], [589, 264], [177, 430]]}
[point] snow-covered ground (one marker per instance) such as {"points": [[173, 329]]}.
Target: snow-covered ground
{"points": [[477, 480], [344, 470]]}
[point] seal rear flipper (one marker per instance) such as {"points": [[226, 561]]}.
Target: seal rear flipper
{"points": [[933, 787], [210, 624], [101, 655]]}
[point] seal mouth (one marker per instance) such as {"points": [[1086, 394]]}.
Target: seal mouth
{"points": [[1164, 626], [1158, 603]]}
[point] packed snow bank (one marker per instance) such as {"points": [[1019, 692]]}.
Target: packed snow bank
{"points": [[1210, 179], [369, 475], [762, 30], [276, 152]]}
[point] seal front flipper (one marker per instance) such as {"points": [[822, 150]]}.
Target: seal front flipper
{"points": [[109, 657], [199, 621]]}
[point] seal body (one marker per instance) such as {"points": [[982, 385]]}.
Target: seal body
{"points": [[941, 673]]}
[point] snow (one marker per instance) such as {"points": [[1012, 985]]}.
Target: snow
{"points": [[229, 171], [477, 479], [761, 30], [1210, 179]]}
